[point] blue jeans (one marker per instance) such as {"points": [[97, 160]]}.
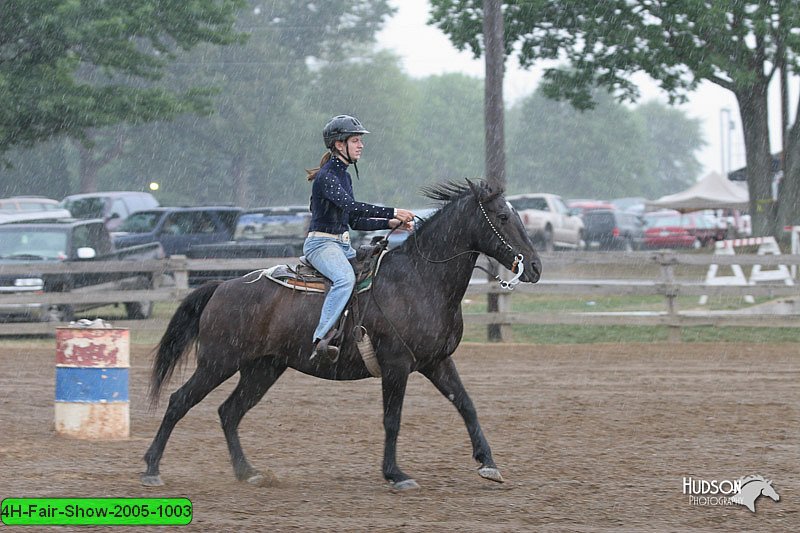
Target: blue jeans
{"points": [[330, 256]]}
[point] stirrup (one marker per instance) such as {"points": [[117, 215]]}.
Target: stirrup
{"points": [[324, 347]]}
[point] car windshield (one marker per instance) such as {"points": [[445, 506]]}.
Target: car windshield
{"points": [[663, 221], [21, 243], [85, 207], [141, 222]]}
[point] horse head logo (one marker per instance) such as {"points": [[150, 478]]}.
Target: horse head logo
{"points": [[752, 488]]}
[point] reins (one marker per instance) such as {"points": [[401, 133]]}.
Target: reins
{"points": [[518, 259]]}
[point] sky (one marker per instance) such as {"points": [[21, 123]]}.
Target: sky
{"points": [[426, 51]]}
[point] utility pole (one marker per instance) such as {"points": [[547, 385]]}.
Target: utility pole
{"points": [[494, 123]]}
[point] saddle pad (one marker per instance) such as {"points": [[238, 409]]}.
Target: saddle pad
{"points": [[288, 277]]}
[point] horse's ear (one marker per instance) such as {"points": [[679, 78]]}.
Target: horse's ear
{"points": [[474, 188], [481, 191]]}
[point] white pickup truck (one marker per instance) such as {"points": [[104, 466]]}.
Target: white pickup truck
{"points": [[549, 221]]}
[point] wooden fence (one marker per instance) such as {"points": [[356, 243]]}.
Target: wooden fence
{"points": [[565, 273]]}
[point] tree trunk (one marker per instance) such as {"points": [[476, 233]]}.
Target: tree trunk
{"points": [[755, 127], [494, 124], [238, 173], [91, 166], [493, 94], [789, 192]]}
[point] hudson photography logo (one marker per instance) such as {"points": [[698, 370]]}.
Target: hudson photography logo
{"points": [[728, 492]]}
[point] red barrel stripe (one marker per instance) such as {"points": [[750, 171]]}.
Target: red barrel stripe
{"points": [[92, 347]]}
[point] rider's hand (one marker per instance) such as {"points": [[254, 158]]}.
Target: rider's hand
{"points": [[394, 222], [404, 215]]}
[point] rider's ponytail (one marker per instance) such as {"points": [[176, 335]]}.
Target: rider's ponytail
{"points": [[312, 173]]}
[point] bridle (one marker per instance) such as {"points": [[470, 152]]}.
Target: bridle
{"points": [[518, 258]]}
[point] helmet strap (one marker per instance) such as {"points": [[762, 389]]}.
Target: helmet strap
{"points": [[347, 158]]}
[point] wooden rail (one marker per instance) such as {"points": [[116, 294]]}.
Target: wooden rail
{"points": [[667, 282]]}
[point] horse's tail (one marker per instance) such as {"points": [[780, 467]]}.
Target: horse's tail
{"points": [[183, 328]]}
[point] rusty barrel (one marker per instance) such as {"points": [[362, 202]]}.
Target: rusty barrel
{"points": [[91, 396]]}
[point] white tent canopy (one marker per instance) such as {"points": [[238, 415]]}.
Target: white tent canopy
{"points": [[712, 192]]}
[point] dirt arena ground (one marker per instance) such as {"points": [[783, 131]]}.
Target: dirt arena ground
{"points": [[588, 437]]}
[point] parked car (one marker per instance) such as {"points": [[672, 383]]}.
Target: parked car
{"points": [[633, 204], [548, 221], [113, 207], [705, 227], [611, 229], [30, 208], [281, 223], [66, 240], [665, 229], [259, 232], [178, 228], [581, 207]]}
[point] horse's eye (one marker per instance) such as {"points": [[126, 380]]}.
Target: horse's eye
{"points": [[503, 217]]}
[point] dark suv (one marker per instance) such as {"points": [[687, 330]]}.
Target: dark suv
{"points": [[610, 229], [178, 228], [66, 240]]}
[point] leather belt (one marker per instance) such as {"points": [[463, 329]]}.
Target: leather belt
{"points": [[344, 237]]}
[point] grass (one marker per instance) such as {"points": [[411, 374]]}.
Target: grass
{"points": [[558, 334], [568, 334]]}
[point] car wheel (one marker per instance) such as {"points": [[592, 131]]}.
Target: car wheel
{"points": [[582, 244], [545, 240], [697, 244], [59, 313], [627, 245], [139, 310]]}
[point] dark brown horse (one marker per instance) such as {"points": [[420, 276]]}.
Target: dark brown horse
{"points": [[412, 313]]}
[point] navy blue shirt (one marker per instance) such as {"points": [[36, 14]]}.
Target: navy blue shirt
{"points": [[333, 208]]}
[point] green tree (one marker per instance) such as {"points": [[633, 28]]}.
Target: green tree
{"points": [[671, 140], [739, 46], [594, 154], [267, 120], [68, 66]]}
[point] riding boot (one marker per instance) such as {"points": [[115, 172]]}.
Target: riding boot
{"points": [[323, 346]]}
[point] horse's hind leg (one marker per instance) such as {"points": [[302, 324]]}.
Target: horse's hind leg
{"points": [[446, 379], [257, 376], [206, 378]]}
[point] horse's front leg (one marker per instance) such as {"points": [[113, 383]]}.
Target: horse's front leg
{"points": [[445, 378], [395, 379]]}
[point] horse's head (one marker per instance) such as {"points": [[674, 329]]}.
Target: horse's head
{"points": [[768, 490], [499, 233]]}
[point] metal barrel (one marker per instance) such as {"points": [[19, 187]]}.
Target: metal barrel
{"points": [[91, 389]]}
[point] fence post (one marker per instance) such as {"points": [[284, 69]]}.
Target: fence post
{"points": [[180, 271], [667, 262], [504, 306], [494, 332]]}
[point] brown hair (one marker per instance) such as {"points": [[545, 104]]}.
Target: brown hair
{"points": [[312, 173]]}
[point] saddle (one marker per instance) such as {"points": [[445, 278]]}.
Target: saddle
{"points": [[305, 277]]}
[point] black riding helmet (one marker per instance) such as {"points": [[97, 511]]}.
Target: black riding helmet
{"points": [[341, 128]]}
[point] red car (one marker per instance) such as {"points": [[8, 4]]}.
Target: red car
{"points": [[665, 229]]}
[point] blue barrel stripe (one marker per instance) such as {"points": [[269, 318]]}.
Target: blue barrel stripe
{"points": [[91, 384]]}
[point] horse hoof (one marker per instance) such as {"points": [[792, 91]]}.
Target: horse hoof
{"points": [[149, 480], [491, 473], [256, 480], [262, 480], [405, 485]]}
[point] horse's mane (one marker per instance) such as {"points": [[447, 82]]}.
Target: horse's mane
{"points": [[748, 479], [447, 191]]}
